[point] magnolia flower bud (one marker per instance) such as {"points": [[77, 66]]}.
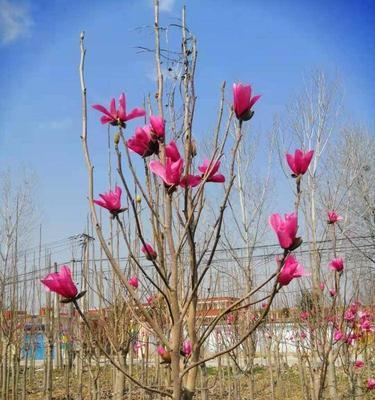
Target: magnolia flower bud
{"points": [[193, 148], [138, 199], [149, 252], [116, 138]]}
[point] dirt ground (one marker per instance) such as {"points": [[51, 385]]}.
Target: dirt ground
{"points": [[221, 386]]}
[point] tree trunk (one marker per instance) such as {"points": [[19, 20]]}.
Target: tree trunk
{"points": [[119, 379], [331, 378]]}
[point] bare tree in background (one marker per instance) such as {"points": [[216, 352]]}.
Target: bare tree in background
{"points": [[312, 121], [245, 225], [350, 189], [17, 212]]}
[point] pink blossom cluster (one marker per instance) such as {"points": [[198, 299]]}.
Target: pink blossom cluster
{"points": [[356, 322], [147, 140]]}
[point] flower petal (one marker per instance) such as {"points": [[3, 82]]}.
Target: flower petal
{"points": [[135, 113], [102, 109], [158, 169]]}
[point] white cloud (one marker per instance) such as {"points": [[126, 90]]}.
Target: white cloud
{"points": [[15, 21], [166, 5], [152, 75]]}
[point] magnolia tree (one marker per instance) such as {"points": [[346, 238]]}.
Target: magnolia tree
{"points": [[167, 172]]}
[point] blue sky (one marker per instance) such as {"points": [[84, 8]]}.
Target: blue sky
{"points": [[271, 44]]}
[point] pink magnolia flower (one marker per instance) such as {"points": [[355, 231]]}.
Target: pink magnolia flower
{"points": [[321, 286], [359, 364], [172, 152], [365, 325], [133, 281], [351, 338], [172, 172], [150, 300], [149, 252], [264, 305], [332, 292], [338, 335], [363, 315], [243, 102], [111, 200], [157, 126], [230, 319], [300, 161], [333, 217], [286, 229], [337, 264], [304, 315], [187, 347], [142, 143], [371, 383], [290, 270], [349, 315], [118, 116], [61, 283], [210, 169]]}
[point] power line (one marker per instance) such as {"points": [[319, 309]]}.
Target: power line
{"points": [[231, 256]]}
